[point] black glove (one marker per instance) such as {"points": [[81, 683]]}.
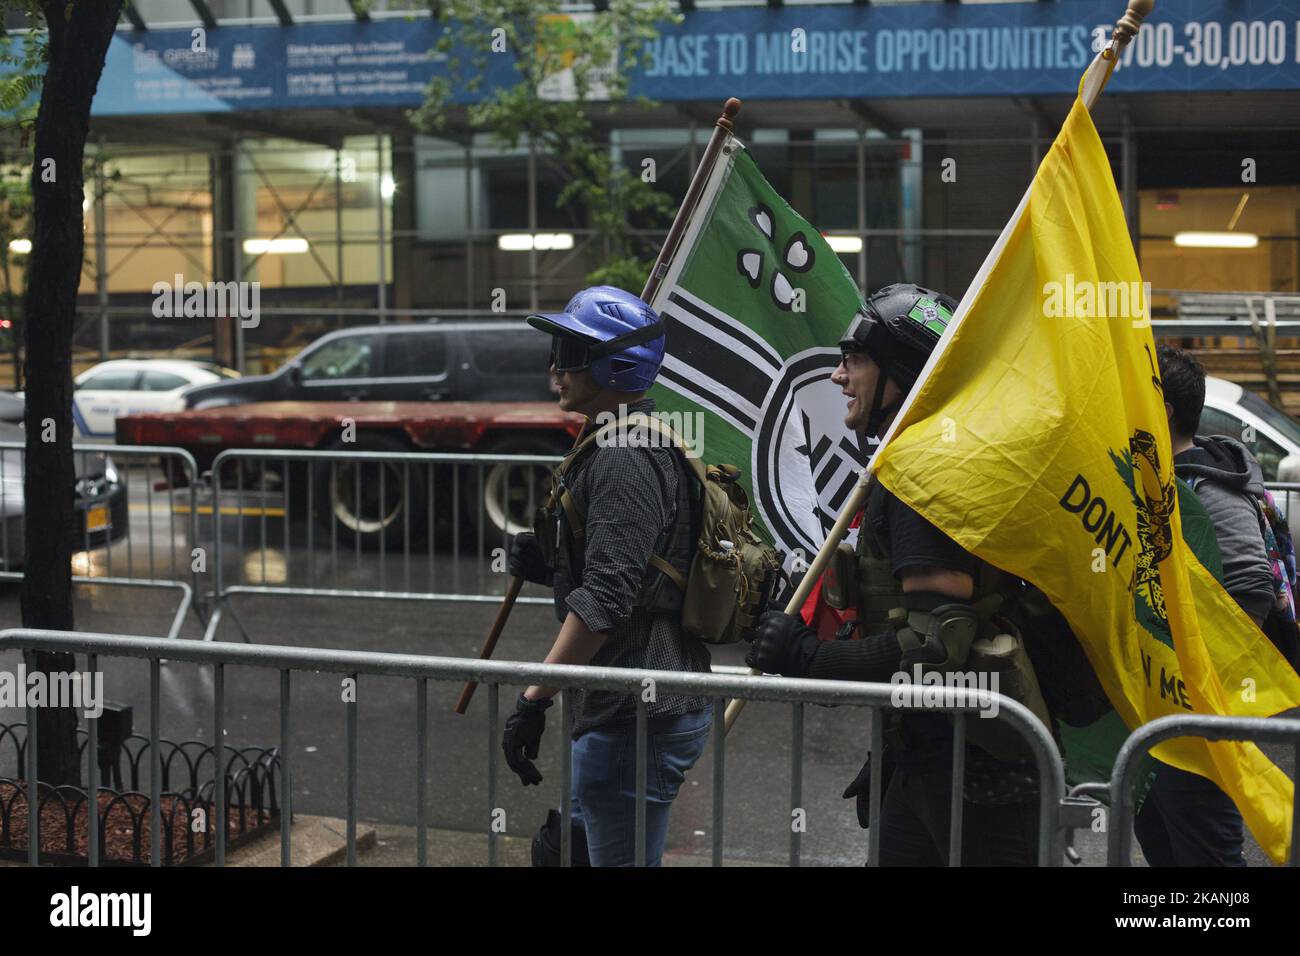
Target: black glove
{"points": [[782, 645], [860, 789], [523, 733], [526, 560]]}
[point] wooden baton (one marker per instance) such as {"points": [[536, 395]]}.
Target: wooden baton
{"points": [[489, 645]]}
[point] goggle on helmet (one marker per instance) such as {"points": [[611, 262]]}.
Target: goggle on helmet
{"points": [[899, 328], [610, 332]]}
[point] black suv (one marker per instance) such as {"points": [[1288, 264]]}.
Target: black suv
{"points": [[467, 361]]}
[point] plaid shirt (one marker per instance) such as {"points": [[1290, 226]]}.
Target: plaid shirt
{"points": [[629, 496]]}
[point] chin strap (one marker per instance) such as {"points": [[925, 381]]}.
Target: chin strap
{"points": [[878, 413]]}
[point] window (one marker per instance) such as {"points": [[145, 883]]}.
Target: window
{"points": [[415, 355], [517, 354], [1267, 452], [347, 357], [1214, 421], [117, 380], [1280, 421], [162, 382]]}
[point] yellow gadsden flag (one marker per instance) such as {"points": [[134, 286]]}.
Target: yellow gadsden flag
{"points": [[1039, 442]]}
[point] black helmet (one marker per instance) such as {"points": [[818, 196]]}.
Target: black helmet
{"points": [[898, 329]]}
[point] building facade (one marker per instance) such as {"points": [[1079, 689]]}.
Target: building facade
{"points": [[271, 142]]}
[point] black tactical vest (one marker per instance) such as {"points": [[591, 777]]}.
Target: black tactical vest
{"points": [[1069, 686], [879, 591]]}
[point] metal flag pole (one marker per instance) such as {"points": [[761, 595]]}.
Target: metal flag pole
{"points": [[1126, 28]]}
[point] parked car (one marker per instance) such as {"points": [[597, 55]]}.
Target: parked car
{"points": [[1272, 436], [131, 386], [465, 361], [100, 500], [11, 408]]}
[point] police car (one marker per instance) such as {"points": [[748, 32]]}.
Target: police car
{"points": [[134, 386]]}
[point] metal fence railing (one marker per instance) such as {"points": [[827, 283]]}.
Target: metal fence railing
{"points": [[130, 532], [421, 669], [367, 524], [1128, 766]]}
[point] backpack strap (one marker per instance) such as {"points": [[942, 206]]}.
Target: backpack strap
{"points": [[578, 521], [693, 462], [673, 574]]}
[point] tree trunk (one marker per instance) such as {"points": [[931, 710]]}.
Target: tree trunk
{"points": [[79, 33]]}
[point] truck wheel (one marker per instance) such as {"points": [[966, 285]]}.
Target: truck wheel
{"points": [[371, 501], [510, 492]]}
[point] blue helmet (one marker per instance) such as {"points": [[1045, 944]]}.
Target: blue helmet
{"points": [[611, 332]]}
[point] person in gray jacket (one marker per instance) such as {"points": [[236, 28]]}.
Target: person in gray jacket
{"points": [[1186, 819], [1228, 481]]}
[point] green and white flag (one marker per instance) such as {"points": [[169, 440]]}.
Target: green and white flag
{"points": [[755, 302]]}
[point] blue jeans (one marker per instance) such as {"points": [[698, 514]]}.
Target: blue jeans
{"points": [[604, 784]]}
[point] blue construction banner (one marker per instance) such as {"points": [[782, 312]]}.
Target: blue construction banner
{"points": [[806, 52]]}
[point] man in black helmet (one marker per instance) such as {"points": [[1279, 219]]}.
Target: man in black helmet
{"points": [[921, 600]]}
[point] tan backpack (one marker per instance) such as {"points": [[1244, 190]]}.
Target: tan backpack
{"points": [[733, 573]]}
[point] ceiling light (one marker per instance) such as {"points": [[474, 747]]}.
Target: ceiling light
{"points": [[274, 247], [845, 243], [542, 241], [1216, 240]]}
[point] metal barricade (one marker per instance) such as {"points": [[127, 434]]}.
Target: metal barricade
{"points": [[1211, 727], [421, 669], [116, 484], [388, 525]]}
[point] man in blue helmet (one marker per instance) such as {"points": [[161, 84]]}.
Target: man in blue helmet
{"points": [[623, 503]]}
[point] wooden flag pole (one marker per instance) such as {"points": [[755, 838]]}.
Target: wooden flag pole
{"points": [[1126, 28], [490, 644], [721, 131]]}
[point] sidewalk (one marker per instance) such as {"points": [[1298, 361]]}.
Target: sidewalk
{"points": [[396, 846]]}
